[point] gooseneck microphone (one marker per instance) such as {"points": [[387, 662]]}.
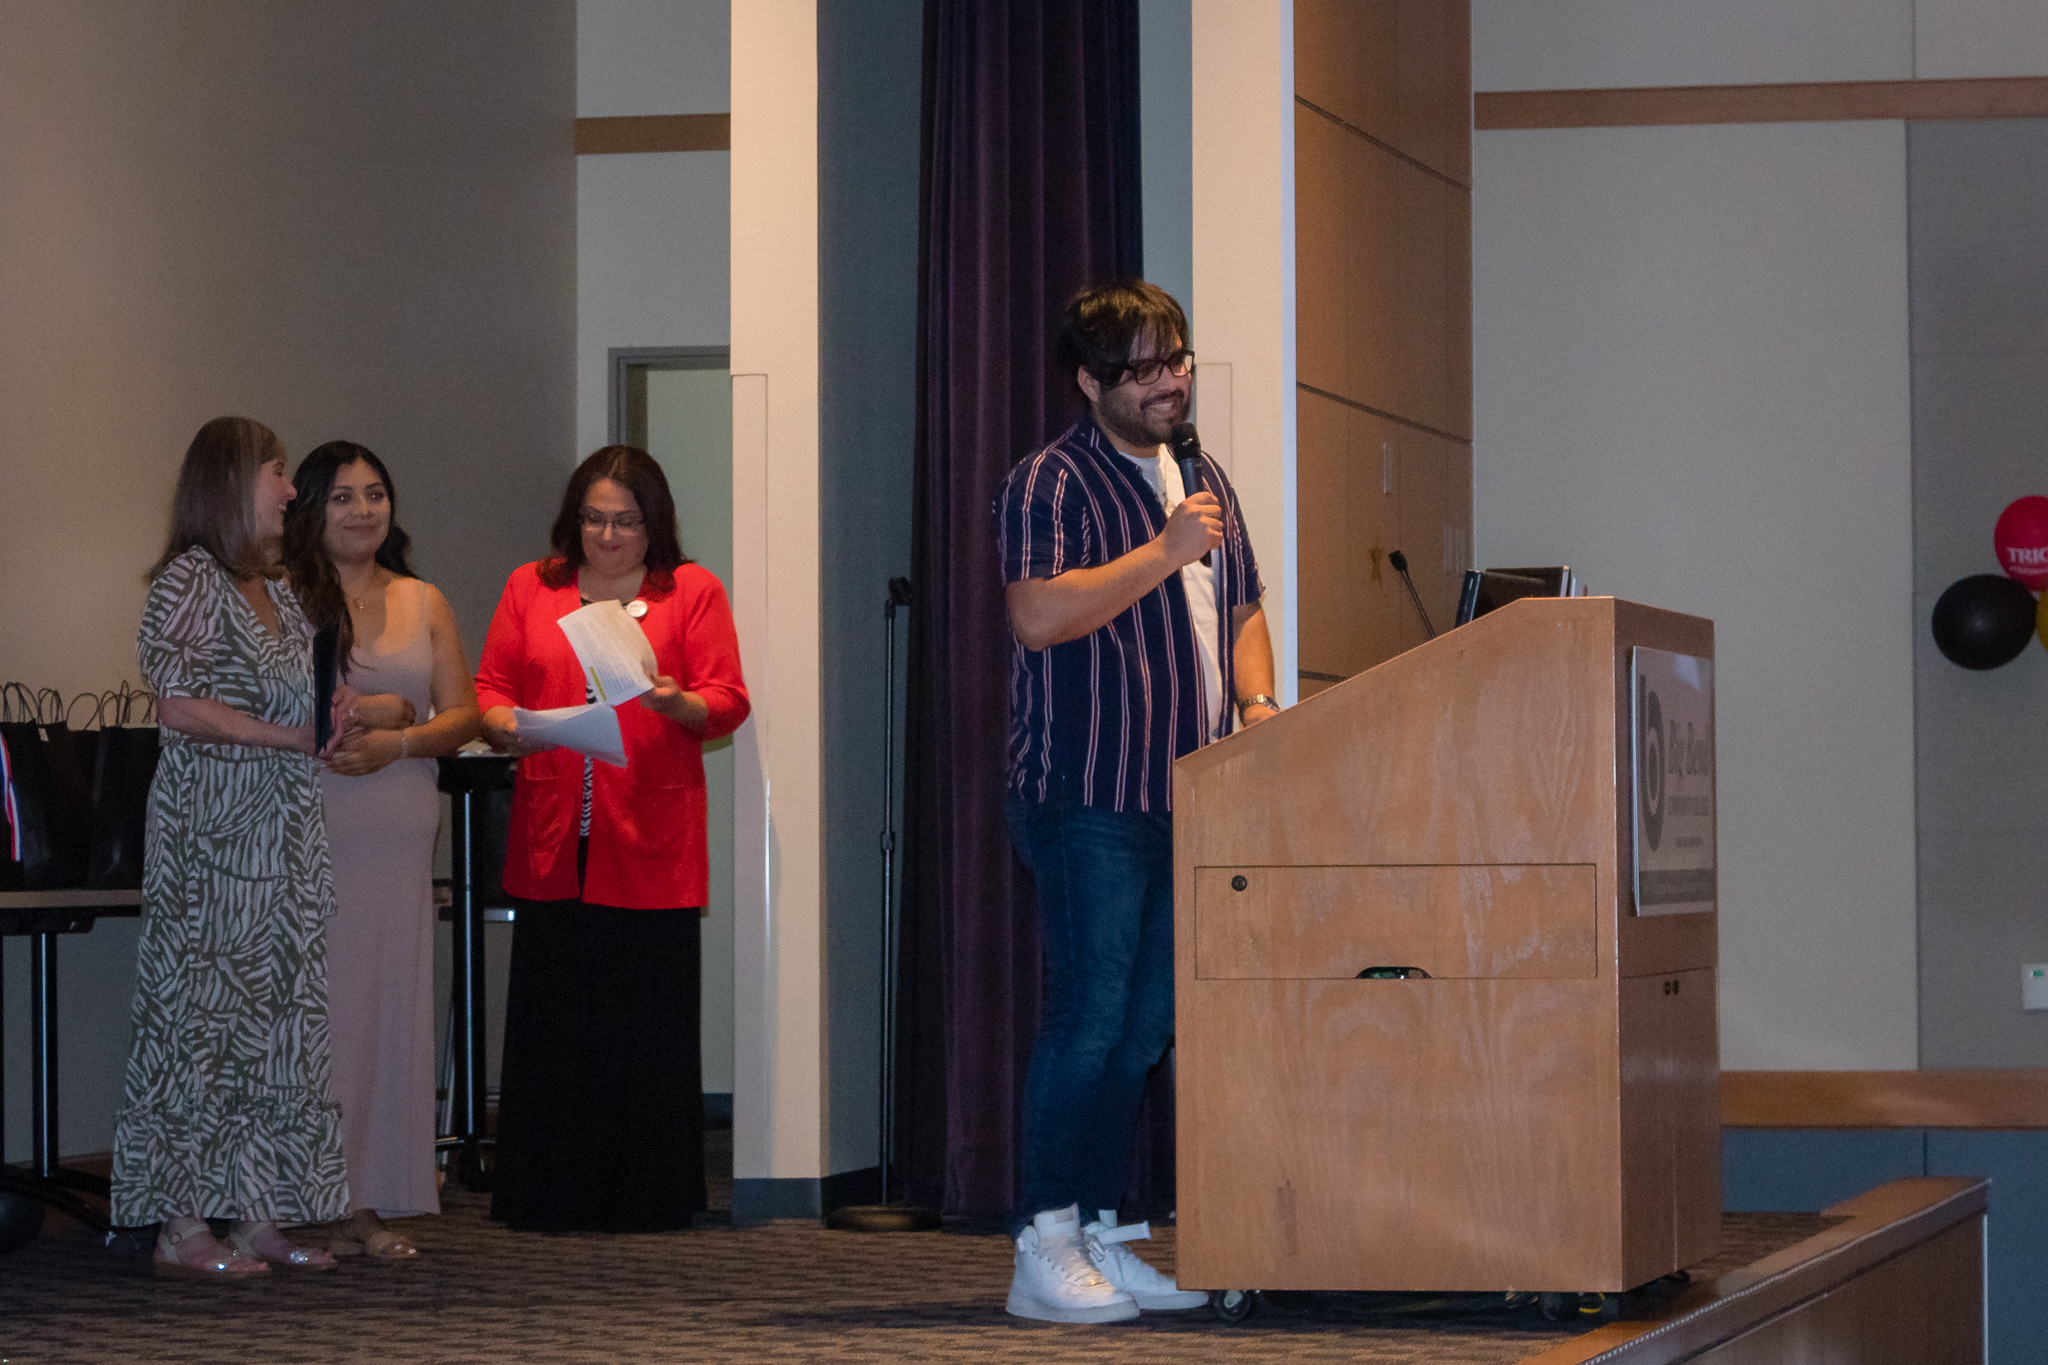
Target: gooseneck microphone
{"points": [[1399, 562], [1186, 446]]}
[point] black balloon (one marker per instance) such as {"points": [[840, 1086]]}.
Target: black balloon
{"points": [[1983, 621]]}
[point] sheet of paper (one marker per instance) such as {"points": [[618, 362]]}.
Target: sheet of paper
{"points": [[591, 730], [618, 663]]}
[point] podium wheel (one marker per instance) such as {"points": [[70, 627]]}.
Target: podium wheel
{"points": [[1233, 1305]]}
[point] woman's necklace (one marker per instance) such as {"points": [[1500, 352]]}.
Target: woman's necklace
{"points": [[363, 603]]}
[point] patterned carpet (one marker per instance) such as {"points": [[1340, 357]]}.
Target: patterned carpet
{"points": [[482, 1294]]}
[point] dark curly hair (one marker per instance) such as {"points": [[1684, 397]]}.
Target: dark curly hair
{"points": [[1102, 327], [634, 470]]}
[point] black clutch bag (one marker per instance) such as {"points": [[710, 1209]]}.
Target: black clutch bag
{"points": [[324, 642]]}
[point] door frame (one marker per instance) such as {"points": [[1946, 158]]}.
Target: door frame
{"points": [[621, 364]]}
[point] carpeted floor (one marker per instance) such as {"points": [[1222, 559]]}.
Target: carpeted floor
{"points": [[479, 1293]]}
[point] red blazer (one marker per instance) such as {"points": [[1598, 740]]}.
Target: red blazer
{"points": [[647, 848]]}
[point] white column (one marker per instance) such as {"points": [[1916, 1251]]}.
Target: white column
{"points": [[779, 1056], [1243, 78]]}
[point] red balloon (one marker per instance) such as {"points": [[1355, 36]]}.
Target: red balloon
{"points": [[2021, 538]]}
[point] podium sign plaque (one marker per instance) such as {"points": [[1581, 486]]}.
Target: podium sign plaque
{"points": [[1671, 762]]}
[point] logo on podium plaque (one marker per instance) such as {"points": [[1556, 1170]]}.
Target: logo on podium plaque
{"points": [[1671, 758]]}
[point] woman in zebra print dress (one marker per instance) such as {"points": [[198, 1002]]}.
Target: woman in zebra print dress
{"points": [[227, 1113]]}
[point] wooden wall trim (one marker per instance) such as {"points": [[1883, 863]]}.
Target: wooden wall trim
{"points": [[1995, 97], [1884, 1099], [654, 133]]}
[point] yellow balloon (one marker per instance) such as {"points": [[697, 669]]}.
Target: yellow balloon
{"points": [[2041, 620]]}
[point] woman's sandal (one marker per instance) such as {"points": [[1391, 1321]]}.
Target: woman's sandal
{"points": [[211, 1258], [242, 1237], [357, 1235]]}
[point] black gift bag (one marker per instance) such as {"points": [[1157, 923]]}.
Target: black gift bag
{"points": [[48, 799], [124, 762], [85, 735]]}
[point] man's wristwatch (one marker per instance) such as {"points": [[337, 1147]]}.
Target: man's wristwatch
{"points": [[1260, 700]]}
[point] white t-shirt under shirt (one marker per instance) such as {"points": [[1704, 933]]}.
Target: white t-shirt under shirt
{"points": [[1199, 581]]}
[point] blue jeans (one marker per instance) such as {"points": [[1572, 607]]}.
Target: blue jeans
{"points": [[1105, 916]]}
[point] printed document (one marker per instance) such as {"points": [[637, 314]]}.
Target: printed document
{"points": [[618, 663], [589, 730]]}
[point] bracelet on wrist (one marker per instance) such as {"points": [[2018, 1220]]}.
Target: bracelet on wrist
{"points": [[405, 742]]}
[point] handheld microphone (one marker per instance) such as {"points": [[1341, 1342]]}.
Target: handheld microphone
{"points": [[1399, 562], [1186, 446]]}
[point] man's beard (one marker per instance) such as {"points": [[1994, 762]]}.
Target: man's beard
{"points": [[1134, 427]]}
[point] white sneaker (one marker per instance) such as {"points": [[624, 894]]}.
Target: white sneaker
{"points": [[1056, 1281], [1122, 1268]]}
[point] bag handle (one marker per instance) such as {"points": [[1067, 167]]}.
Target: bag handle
{"points": [[137, 697], [49, 708], [13, 711], [118, 703], [98, 718]]}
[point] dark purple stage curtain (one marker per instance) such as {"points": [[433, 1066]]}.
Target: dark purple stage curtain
{"points": [[1030, 193]]}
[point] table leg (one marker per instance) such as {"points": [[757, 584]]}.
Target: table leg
{"points": [[466, 1045], [42, 994], [46, 1181]]}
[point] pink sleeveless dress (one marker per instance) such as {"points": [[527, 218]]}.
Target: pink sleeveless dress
{"points": [[380, 943]]}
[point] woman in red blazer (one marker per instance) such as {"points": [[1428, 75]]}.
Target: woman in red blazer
{"points": [[600, 1109]]}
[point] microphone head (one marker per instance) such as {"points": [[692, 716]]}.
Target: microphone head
{"points": [[1186, 444], [1398, 561]]}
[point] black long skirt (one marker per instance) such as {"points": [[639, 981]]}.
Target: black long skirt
{"points": [[601, 1093]]}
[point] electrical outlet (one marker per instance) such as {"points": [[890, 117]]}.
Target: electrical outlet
{"points": [[2034, 986]]}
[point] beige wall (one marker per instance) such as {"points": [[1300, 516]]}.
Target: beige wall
{"points": [[353, 220], [346, 221], [1691, 380], [651, 227], [1597, 44]]}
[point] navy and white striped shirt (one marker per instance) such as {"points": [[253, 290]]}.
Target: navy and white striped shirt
{"points": [[1109, 712]]}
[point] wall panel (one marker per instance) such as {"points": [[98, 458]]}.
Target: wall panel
{"points": [[1383, 223], [1691, 379], [1588, 44], [1972, 38], [346, 221], [1980, 439], [1346, 64], [1395, 70]]}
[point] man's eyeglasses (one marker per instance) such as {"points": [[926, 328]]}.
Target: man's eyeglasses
{"points": [[1179, 364], [625, 523]]}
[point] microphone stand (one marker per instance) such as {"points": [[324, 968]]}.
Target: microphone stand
{"points": [[887, 1216], [1399, 562]]}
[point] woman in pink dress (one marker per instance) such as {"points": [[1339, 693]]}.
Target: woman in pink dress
{"points": [[405, 664]]}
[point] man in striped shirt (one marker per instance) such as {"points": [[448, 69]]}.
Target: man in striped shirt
{"points": [[1130, 651]]}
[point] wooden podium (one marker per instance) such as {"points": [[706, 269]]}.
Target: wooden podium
{"points": [[1541, 1112]]}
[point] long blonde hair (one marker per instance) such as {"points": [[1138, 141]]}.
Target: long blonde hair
{"points": [[214, 507]]}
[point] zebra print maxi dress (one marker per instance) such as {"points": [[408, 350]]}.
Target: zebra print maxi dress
{"points": [[227, 1111]]}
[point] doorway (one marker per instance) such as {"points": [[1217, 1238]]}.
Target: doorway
{"points": [[676, 404]]}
